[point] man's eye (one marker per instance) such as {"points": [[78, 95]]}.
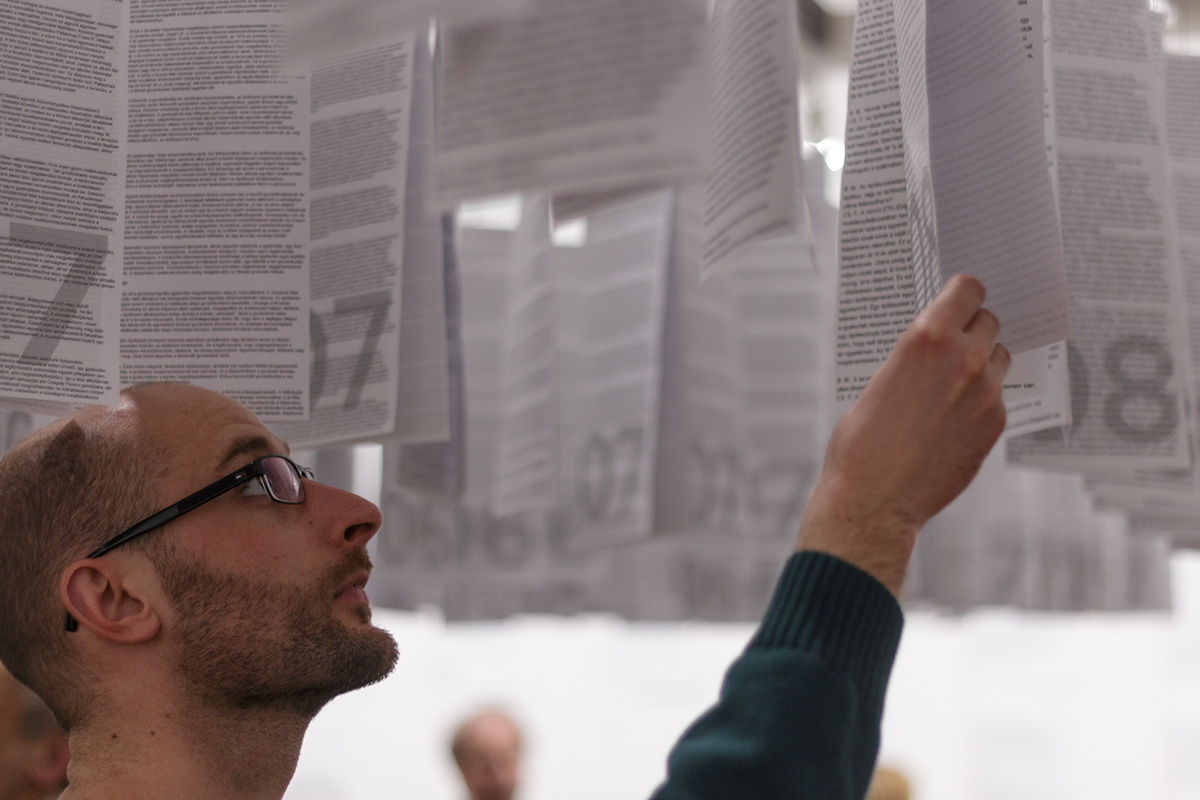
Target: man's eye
{"points": [[252, 487]]}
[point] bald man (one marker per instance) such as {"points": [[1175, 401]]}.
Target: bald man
{"points": [[487, 749], [181, 595], [185, 598], [33, 748]]}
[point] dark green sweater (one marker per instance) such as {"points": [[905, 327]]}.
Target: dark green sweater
{"points": [[799, 711]]}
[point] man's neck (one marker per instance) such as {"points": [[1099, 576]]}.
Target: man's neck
{"points": [[185, 753]]}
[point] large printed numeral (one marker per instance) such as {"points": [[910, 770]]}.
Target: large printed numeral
{"points": [[1140, 408], [609, 475], [1140, 391], [89, 251], [377, 305]]}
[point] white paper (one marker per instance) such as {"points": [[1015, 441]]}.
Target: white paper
{"points": [[423, 402], [1183, 136], [1128, 353], [750, 193], [577, 95], [699, 576], [528, 453], [612, 298], [360, 160], [876, 298], [485, 260], [61, 210], [784, 330], [44, 408], [460, 555], [1182, 102], [322, 29], [439, 467], [1152, 493], [1026, 377], [1029, 539], [979, 550], [1149, 492], [576, 205], [698, 473], [16, 425], [1049, 408], [476, 566], [980, 197], [215, 288]]}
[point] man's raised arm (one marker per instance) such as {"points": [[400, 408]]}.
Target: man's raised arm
{"points": [[800, 710]]}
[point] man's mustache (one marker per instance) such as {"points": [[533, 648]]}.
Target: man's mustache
{"points": [[356, 561]]}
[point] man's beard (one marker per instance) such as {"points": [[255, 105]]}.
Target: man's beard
{"points": [[249, 644]]}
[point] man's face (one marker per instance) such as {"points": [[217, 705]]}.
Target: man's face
{"points": [[491, 759], [267, 601]]}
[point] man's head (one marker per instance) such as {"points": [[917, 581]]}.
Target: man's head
{"points": [[244, 602], [33, 748], [487, 749]]}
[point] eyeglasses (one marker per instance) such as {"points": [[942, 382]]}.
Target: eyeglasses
{"points": [[278, 476]]}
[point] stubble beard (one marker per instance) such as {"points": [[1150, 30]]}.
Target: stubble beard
{"points": [[247, 644]]}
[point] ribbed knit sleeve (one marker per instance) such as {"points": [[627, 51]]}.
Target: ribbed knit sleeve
{"points": [[840, 614], [800, 710]]}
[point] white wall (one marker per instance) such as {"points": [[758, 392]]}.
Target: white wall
{"points": [[601, 702], [992, 706]]}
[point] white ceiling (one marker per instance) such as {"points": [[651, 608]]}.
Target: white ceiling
{"points": [[839, 8]]}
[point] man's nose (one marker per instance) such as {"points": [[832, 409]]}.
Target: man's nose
{"points": [[351, 519]]}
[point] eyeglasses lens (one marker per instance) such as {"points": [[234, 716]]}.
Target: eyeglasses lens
{"points": [[282, 481]]}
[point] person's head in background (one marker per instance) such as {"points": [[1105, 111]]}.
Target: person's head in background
{"points": [[888, 784], [33, 748], [487, 748]]}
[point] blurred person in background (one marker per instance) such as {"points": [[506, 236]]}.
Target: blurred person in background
{"points": [[487, 749], [888, 784], [33, 748]]}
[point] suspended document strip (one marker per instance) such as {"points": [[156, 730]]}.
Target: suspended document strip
{"points": [[61, 206], [945, 173]]}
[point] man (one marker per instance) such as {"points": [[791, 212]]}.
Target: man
{"points": [[487, 749], [194, 655], [33, 748], [187, 654]]}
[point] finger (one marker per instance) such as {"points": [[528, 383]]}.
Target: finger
{"points": [[984, 329], [998, 364], [956, 304]]}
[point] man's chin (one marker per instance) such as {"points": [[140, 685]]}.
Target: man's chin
{"points": [[378, 660], [366, 656]]}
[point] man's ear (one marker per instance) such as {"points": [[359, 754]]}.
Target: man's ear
{"points": [[48, 764], [102, 595]]}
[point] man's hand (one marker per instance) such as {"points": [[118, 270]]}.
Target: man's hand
{"points": [[914, 439]]}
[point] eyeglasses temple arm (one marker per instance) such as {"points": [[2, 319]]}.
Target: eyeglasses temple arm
{"points": [[167, 514], [171, 512]]}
